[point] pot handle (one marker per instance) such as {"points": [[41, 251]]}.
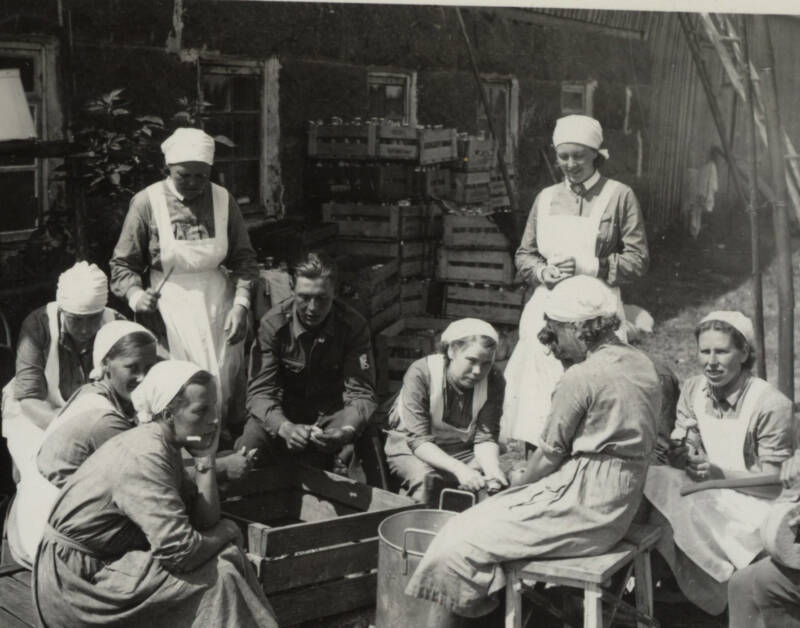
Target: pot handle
{"points": [[406, 532], [455, 491]]}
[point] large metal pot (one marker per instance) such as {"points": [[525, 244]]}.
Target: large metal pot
{"points": [[403, 539]]}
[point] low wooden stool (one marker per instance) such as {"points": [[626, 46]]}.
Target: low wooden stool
{"points": [[591, 573]]}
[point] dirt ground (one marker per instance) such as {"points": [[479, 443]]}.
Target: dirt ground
{"points": [[687, 280]]}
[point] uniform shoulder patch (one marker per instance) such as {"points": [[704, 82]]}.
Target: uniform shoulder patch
{"points": [[363, 361]]}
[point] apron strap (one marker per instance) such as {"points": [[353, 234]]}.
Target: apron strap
{"points": [[52, 368]]}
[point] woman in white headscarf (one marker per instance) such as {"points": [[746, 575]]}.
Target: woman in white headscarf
{"points": [[123, 352], [54, 357], [583, 485], [132, 540], [446, 417], [586, 225], [183, 231], [729, 424]]}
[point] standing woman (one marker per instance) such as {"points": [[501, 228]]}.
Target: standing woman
{"points": [[730, 424], [446, 417], [132, 540], [123, 352], [182, 231], [587, 225]]}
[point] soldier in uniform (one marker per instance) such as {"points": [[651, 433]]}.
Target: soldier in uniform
{"points": [[312, 386]]}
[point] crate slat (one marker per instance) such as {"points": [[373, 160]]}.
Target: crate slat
{"points": [[389, 222], [472, 232], [301, 605], [414, 297], [490, 304], [416, 257], [470, 265], [290, 572]]}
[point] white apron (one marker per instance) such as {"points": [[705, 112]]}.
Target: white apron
{"points": [[719, 528], [35, 495], [198, 295], [532, 371], [23, 436]]}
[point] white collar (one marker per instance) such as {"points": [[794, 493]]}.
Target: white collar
{"points": [[588, 184], [171, 187]]}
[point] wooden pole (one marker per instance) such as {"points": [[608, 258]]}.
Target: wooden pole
{"points": [[752, 211], [780, 221], [485, 100], [713, 105]]}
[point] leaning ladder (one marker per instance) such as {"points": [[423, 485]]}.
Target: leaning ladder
{"points": [[721, 33]]}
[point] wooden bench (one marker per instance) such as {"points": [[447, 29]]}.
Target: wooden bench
{"points": [[592, 574]]}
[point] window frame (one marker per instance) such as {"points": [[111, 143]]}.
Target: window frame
{"points": [[389, 76], [586, 90], [511, 85], [46, 114]]}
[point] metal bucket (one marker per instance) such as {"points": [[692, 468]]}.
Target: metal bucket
{"points": [[403, 539]]}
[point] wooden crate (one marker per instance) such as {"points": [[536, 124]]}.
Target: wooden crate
{"points": [[499, 202], [470, 187], [491, 303], [437, 145], [473, 265], [400, 344], [312, 536], [472, 232], [396, 142], [341, 141], [416, 257], [384, 182], [430, 182], [475, 153], [414, 296], [382, 319], [386, 222], [369, 284]]}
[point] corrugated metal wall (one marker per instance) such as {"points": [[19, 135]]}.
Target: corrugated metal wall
{"points": [[674, 87]]}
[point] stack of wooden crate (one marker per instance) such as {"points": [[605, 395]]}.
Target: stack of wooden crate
{"points": [[477, 265], [403, 235]]}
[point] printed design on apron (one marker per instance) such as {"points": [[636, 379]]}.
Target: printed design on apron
{"points": [[443, 432], [196, 299], [532, 371]]}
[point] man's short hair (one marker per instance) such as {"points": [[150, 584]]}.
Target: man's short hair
{"points": [[316, 266]]}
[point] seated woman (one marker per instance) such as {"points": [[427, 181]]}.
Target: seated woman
{"points": [[729, 424], [54, 356], [446, 416], [123, 352], [133, 541], [582, 487]]}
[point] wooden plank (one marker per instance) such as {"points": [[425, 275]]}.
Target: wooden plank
{"points": [[594, 569], [8, 620], [481, 266], [263, 480], [16, 598], [315, 508], [476, 232], [265, 507], [290, 572], [346, 491], [299, 605], [272, 542]]}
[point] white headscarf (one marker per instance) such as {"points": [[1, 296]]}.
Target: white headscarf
{"points": [[107, 337], [466, 327], [578, 129], [160, 386], [580, 298], [187, 144], [82, 289], [738, 321]]}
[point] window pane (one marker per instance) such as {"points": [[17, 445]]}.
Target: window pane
{"points": [[240, 178], [20, 208], [245, 93], [215, 91], [26, 68], [376, 101], [246, 131]]}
